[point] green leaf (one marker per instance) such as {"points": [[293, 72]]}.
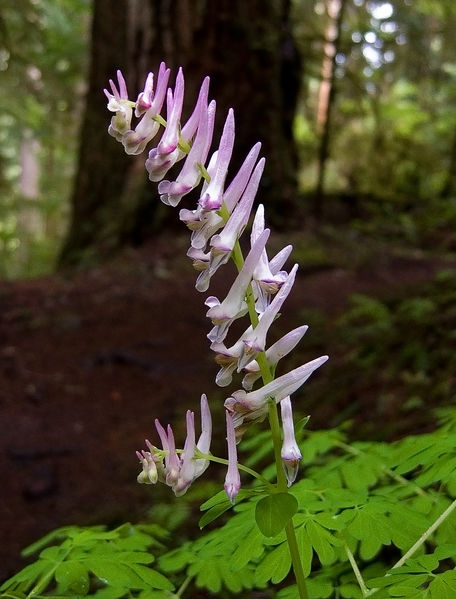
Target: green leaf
{"points": [[250, 548], [273, 512], [350, 591], [305, 549], [152, 578], [275, 566], [114, 573], [177, 559], [235, 581], [108, 593], [207, 575], [56, 535], [73, 577], [217, 499], [444, 586], [27, 575], [322, 542], [214, 512], [319, 588]]}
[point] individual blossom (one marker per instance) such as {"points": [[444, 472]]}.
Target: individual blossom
{"points": [[232, 479], [204, 221], [212, 197], [255, 340], [177, 469], [148, 107], [273, 354], [166, 153], [171, 192], [223, 243], [228, 359], [204, 227], [119, 103], [266, 279], [290, 453], [222, 314], [253, 406]]}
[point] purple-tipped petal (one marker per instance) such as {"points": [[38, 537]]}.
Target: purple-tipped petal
{"points": [[212, 197], [174, 104], [172, 192], [224, 242], [187, 471], [290, 453], [274, 354], [234, 306], [255, 342], [232, 479], [254, 405]]}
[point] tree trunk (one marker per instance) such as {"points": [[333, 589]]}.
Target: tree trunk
{"points": [[248, 50], [327, 97], [102, 166], [449, 187]]}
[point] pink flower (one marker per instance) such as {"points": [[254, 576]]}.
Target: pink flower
{"points": [[166, 465], [276, 352], [233, 306], [119, 103], [252, 406], [290, 453], [232, 479]]}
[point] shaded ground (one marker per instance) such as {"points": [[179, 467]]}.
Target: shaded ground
{"points": [[86, 364]]}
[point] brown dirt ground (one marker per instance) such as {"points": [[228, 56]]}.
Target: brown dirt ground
{"points": [[88, 362]]}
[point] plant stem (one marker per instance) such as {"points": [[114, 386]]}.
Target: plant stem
{"points": [[397, 477], [47, 577], [358, 575], [183, 586], [254, 473], [424, 537], [267, 377], [296, 560], [282, 487]]}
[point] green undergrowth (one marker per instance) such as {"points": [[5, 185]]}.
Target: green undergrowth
{"points": [[392, 359], [362, 502]]}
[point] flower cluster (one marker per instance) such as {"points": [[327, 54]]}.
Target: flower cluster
{"points": [[216, 224], [178, 470]]}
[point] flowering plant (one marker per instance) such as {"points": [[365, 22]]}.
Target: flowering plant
{"points": [[258, 292], [356, 500]]}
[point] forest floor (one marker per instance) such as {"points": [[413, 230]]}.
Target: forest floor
{"points": [[88, 362]]}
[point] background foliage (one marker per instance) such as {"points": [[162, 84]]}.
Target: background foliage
{"points": [[391, 155]]}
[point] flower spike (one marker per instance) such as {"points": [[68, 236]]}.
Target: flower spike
{"points": [[259, 289]]}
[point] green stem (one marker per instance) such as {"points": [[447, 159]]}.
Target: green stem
{"points": [[283, 488], [46, 578], [356, 570], [277, 442], [183, 586], [296, 560], [424, 537], [397, 477], [257, 475], [267, 377]]}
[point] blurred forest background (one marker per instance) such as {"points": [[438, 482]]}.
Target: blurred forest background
{"points": [[354, 101]]}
